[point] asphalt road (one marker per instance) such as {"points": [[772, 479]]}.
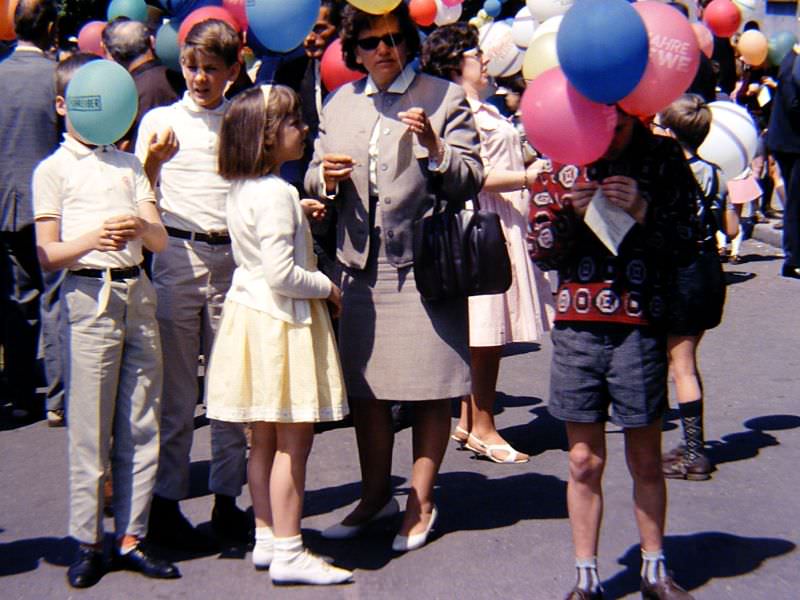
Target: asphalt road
{"points": [[503, 529]]}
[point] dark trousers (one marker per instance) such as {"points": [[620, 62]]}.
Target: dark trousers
{"points": [[20, 291], [791, 212]]}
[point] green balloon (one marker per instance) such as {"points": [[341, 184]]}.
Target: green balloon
{"points": [[779, 46], [135, 10], [167, 48], [101, 101]]}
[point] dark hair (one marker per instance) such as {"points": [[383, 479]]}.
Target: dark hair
{"points": [[354, 21], [126, 40], [249, 132], [66, 69], [689, 118], [681, 7], [33, 17], [443, 51], [334, 11], [213, 37]]}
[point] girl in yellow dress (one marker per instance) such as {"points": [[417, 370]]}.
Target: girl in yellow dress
{"points": [[274, 362]]}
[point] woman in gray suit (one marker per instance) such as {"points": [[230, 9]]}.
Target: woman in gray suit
{"points": [[387, 145]]}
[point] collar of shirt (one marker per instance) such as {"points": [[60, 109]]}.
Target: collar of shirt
{"points": [[400, 84], [23, 47], [192, 106], [80, 149]]}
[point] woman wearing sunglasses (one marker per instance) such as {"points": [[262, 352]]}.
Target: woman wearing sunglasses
{"points": [[387, 145], [520, 314]]}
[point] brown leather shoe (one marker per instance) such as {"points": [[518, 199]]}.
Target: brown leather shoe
{"points": [[698, 469], [664, 589], [577, 593], [674, 455]]}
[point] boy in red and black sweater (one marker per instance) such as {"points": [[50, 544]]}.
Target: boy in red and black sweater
{"points": [[608, 340]]}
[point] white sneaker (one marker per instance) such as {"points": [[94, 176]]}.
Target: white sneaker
{"points": [[307, 568], [262, 556]]}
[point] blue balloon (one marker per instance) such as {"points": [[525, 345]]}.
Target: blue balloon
{"points": [[101, 101], [281, 25], [179, 9], [603, 48], [492, 7], [135, 10], [167, 48]]}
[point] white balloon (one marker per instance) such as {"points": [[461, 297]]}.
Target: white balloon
{"points": [[732, 140], [503, 55], [541, 10], [523, 27], [550, 26], [447, 14]]}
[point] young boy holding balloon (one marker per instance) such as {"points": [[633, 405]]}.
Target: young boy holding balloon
{"points": [[177, 145], [94, 211]]}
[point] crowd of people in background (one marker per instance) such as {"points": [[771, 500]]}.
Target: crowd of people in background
{"points": [[275, 220]]}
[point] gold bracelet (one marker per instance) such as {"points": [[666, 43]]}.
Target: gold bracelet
{"points": [[525, 182]]}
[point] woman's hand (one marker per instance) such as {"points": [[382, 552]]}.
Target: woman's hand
{"points": [[336, 168], [581, 195], [533, 170], [314, 209], [623, 192], [335, 298], [419, 124]]}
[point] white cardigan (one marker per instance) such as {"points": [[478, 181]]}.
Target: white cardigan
{"points": [[269, 236]]}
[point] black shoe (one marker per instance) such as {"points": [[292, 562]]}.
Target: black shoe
{"points": [[142, 561], [231, 523], [790, 271], [168, 527], [87, 569]]}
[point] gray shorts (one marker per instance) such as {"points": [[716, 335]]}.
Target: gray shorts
{"points": [[598, 364]]}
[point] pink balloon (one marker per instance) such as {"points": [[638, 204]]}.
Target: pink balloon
{"points": [[237, 10], [90, 37], [705, 39], [564, 125], [672, 64], [451, 2], [332, 69]]}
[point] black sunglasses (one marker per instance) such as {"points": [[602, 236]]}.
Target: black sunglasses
{"points": [[390, 39]]}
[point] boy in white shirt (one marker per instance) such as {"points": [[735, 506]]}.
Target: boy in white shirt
{"points": [[94, 210], [178, 146]]}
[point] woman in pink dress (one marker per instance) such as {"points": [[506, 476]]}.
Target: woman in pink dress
{"points": [[523, 312]]}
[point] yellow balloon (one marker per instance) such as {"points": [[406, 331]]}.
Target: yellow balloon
{"points": [[375, 7], [540, 56], [753, 47]]}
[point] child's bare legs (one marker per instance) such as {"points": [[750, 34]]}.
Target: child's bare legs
{"points": [[259, 468]]}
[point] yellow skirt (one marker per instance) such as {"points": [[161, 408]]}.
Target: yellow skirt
{"points": [[265, 369]]}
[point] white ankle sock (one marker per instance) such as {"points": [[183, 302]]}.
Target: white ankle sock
{"points": [[654, 566], [264, 548], [588, 579], [288, 548]]}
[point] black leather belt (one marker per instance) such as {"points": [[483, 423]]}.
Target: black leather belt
{"points": [[213, 239], [116, 274]]}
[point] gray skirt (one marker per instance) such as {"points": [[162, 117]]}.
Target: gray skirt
{"points": [[395, 346]]}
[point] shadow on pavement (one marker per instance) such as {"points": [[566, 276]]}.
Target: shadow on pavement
{"points": [[734, 277], [699, 558], [328, 499], [22, 556], [747, 444], [543, 433]]}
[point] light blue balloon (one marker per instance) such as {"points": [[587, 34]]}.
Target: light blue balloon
{"points": [[135, 10], [101, 101], [281, 25], [603, 48], [167, 48]]}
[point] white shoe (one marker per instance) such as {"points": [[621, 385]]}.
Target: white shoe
{"points": [[262, 556], [307, 568], [402, 543], [344, 532]]}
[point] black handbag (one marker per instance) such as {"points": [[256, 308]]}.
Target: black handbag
{"points": [[460, 253]]}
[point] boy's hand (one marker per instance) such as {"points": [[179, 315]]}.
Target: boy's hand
{"points": [[314, 209], [624, 192], [163, 146], [107, 241], [125, 228]]}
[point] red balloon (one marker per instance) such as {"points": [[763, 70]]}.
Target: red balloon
{"points": [[722, 17], [205, 13], [672, 63], [90, 38], [564, 125], [423, 12], [332, 69], [237, 10], [7, 8]]}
